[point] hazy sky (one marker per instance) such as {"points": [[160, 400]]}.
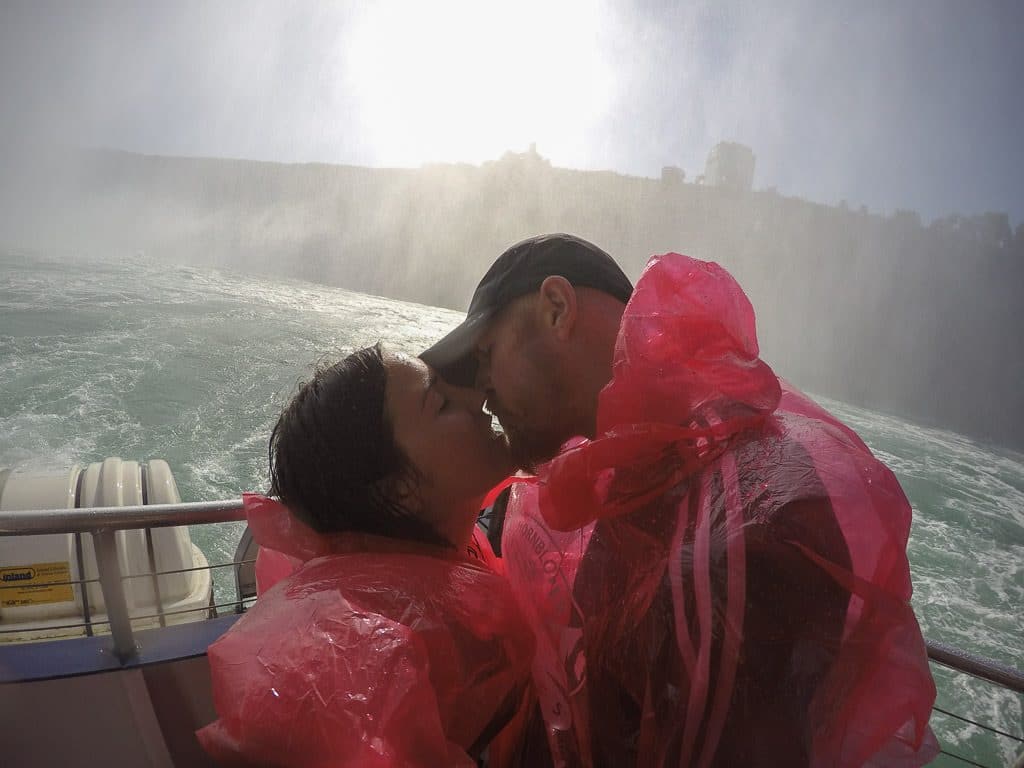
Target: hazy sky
{"points": [[890, 104]]}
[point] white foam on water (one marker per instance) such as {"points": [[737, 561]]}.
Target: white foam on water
{"points": [[193, 365]]}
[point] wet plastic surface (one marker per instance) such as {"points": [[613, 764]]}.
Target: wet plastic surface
{"points": [[720, 577], [372, 652]]}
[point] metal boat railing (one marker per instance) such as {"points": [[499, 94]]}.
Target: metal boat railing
{"points": [[103, 522], [985, 669]]}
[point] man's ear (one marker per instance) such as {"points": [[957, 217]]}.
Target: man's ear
{"points": [[558, 306]]}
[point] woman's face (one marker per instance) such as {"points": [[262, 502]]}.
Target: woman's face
{"points": [[446, 434]]}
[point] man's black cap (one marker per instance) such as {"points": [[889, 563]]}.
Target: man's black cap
{"points": [[518, 271]]}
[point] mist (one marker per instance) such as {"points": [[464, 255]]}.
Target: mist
{"points": [[386, 149]]}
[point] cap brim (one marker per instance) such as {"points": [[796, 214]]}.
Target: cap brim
{"points": [[453, 356]]}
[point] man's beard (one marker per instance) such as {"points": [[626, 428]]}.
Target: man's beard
{"points": [[529, 448]]}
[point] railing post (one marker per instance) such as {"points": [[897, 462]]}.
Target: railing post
{"points": [[105, 542]]}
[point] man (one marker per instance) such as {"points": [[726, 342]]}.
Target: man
{"points": [[717, 574]]}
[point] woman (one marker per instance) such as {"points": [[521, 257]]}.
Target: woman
{"points": [[395, 642]]}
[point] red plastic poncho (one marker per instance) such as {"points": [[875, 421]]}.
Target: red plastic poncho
{"points": [[373, 652], [720, 577]]}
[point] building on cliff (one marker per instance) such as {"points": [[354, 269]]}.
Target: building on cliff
{"points": [[730, 165]]}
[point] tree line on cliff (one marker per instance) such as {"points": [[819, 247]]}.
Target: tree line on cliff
{"points": [[879, 310]]}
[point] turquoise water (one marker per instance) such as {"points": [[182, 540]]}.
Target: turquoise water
{"points": [[139, 359]]}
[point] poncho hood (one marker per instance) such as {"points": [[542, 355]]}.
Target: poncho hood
{"points": [[687, 381]]}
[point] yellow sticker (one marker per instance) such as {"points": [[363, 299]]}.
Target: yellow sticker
{"points": [[36, 584]]}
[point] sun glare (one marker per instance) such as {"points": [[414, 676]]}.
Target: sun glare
{"points": [[466, 81]]}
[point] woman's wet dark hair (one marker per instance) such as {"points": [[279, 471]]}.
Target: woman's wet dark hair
{"points": [[334, 461]]}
